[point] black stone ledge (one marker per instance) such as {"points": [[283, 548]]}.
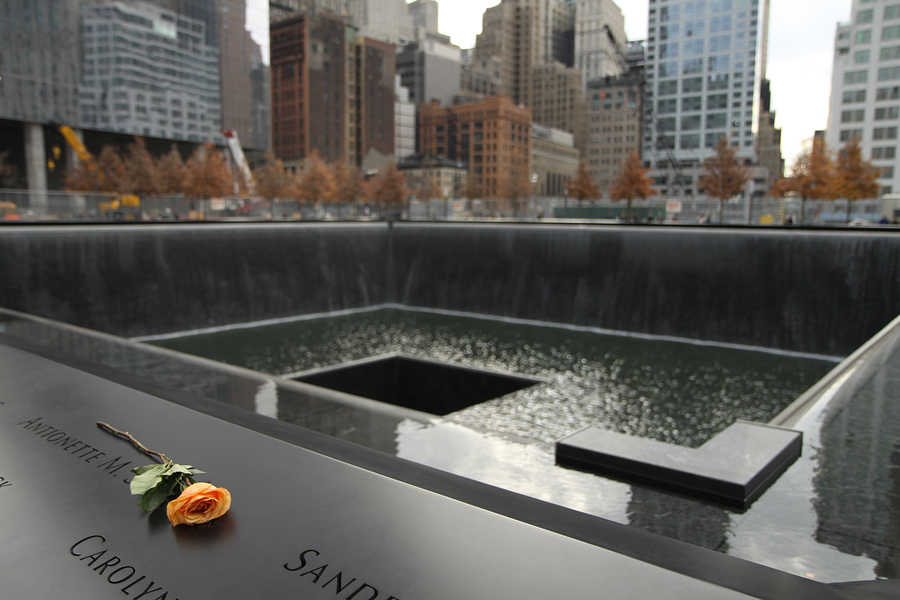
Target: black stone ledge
{"points": [[698, 563], [733, 468]]}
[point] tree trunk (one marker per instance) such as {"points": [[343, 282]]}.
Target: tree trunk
{"points": [[721, 211]]}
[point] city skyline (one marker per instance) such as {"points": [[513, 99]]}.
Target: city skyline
{"points": [[801, 47]]}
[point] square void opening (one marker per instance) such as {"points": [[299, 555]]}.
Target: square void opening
{"points": [[426, 385]]}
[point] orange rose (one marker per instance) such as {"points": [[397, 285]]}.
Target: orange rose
{"points": [[198, 503]]}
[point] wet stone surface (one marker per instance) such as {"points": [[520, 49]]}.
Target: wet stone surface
{"points": [[675, 392]]}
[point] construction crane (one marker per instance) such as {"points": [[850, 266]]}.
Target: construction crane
{"points": [[237, 153], [124, 206], [668, 165]]}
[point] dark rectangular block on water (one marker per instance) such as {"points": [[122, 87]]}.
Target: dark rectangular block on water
{"points": [[312, 517], [735, 467]]}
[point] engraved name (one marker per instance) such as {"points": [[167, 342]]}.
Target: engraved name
{"points": [[332, 579], [73, 446], [90, 550]]}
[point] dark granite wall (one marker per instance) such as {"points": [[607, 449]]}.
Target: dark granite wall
{"points": [[811, 291], [824, 292], [135, 281]]}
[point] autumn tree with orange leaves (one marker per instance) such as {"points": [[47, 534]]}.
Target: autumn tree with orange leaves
{"points": [[390, 188], [139, 170], [582, 186], [271, 180], [856, 177], [722, 176], [813, 177], [207, 174], [632, 182], [171, 172], [105, 174], [316, 183]]}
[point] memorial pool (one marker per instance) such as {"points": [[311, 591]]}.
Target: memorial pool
{"points": [[669, 390]]}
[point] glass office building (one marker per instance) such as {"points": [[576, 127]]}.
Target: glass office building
{"points": [[705, 73], [180, 70], [705, 67]]}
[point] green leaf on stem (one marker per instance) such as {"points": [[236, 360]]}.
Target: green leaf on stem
{"points": [[155, 496], [147, 479]]}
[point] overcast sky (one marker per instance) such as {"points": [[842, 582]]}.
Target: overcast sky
{"points": [[801, 49]]}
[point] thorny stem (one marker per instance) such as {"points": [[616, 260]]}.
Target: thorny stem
{"points": [[124, 434]]}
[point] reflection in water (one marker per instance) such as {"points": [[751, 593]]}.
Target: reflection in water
{"points": [[670, 391], [858, 481], [678, 517], [782, 529]]}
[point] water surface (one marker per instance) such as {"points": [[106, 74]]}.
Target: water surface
{"points": [[667, 390]]}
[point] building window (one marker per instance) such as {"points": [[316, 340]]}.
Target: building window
{"points": [[691, 103], [720, 43], [716, 101], [717, 82], [865, 36], [852, 116], [889, 53], [864, 16], [667, 88], [690, 141], [692, 84], [669, 50], [884, 133], [861, 57], [890, 33], [690, 123], [852, 77], [884, 152], [666, 106], [853, 96], [692, 65], [849, 134], [889, 112], [892, 11], [719, 63], [891, 93], [716, 121], [711, 139]]}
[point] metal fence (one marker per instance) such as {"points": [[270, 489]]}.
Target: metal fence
{"points": [[25, 205]]}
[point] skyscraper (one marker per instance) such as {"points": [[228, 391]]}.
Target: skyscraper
{"points": [[179, 70], [599, 25], [865, 86], [333, 90], [705, 68]]}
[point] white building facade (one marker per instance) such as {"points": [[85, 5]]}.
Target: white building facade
{"points": [[705, 66], [865, 86]]}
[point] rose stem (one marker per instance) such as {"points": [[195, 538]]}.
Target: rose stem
{"points": [[124, 434]]}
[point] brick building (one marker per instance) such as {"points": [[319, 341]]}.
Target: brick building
{"points": [[493, 137]]}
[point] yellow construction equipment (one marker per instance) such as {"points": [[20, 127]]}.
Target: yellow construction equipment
{"points": [[125, 207]]}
